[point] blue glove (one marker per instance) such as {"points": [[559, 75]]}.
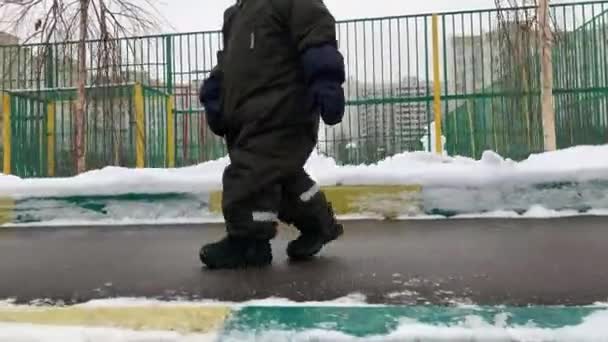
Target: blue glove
{"points": [[329, 99], [324, 73], [209, 95]]}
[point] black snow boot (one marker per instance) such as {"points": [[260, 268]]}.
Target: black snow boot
{"points": [[232, 253], [316, 232]]}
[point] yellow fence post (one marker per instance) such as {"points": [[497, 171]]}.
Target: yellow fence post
{"points": [[6, 130], [437, 87], [50, 139], [140, 146], [170, 132]]}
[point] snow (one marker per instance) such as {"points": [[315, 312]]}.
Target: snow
{"points": [[351, 300], [207, 218], [118, 181], [592, 329], [425, 140], [33, 333], [574, 164], [536, 211], [203, 218], [563, 183], [474, 328]]}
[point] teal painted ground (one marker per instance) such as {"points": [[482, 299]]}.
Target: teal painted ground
{"points": [[328, 323]]}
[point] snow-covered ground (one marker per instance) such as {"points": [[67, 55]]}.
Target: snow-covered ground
{"points": [[574, 164], [593, 329], [472, 327], [202, 217], [32, 333]]}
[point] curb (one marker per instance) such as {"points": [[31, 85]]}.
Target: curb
{"points": [[232, 322], [389, 200], [376, 201], [7, 208], [180, 318]]}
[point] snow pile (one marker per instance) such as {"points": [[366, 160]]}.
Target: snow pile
{"points": [[33, 333], [562, 183], [353, 300], [111, 181], [581, 163]]}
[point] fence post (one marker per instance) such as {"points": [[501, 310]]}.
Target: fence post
{"points": [[50, 71], [169, 63], [50, 139], [170, 132], [6, 130], [437, 87], [140, 129]]}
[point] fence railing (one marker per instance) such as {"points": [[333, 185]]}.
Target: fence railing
{"points": [[488, 73]]}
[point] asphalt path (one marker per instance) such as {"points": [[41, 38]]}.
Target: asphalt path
{"points": [[483, 261]]}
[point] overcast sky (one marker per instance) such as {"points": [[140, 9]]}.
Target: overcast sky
{"points": [[201, 15], [204, 15]]}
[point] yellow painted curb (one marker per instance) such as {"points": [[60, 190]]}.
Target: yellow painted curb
{"points": [[386, 200], [215, 202], [389, 201], [183, 319], [7, 208]]}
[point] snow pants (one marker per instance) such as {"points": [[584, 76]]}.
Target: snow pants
{"points": [[266, 182]]}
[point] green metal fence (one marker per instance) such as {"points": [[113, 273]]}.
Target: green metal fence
{"points": [[489, 78], [492, 91], [28, 120], [43, 129], [581, 78], [504, 113]]}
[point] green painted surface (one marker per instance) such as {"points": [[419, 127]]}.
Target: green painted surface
{"points": [[179, 205], [378, 321]]}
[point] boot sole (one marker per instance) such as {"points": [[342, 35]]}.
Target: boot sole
{"points": [[306, 256], [228, 266], [247, 263]]}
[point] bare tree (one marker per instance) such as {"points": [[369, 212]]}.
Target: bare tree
{"points": [[547, 104], [528, 17], [94, 25], [82, 80]]}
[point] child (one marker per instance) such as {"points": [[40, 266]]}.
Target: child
{"points": [[279, 72]]}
